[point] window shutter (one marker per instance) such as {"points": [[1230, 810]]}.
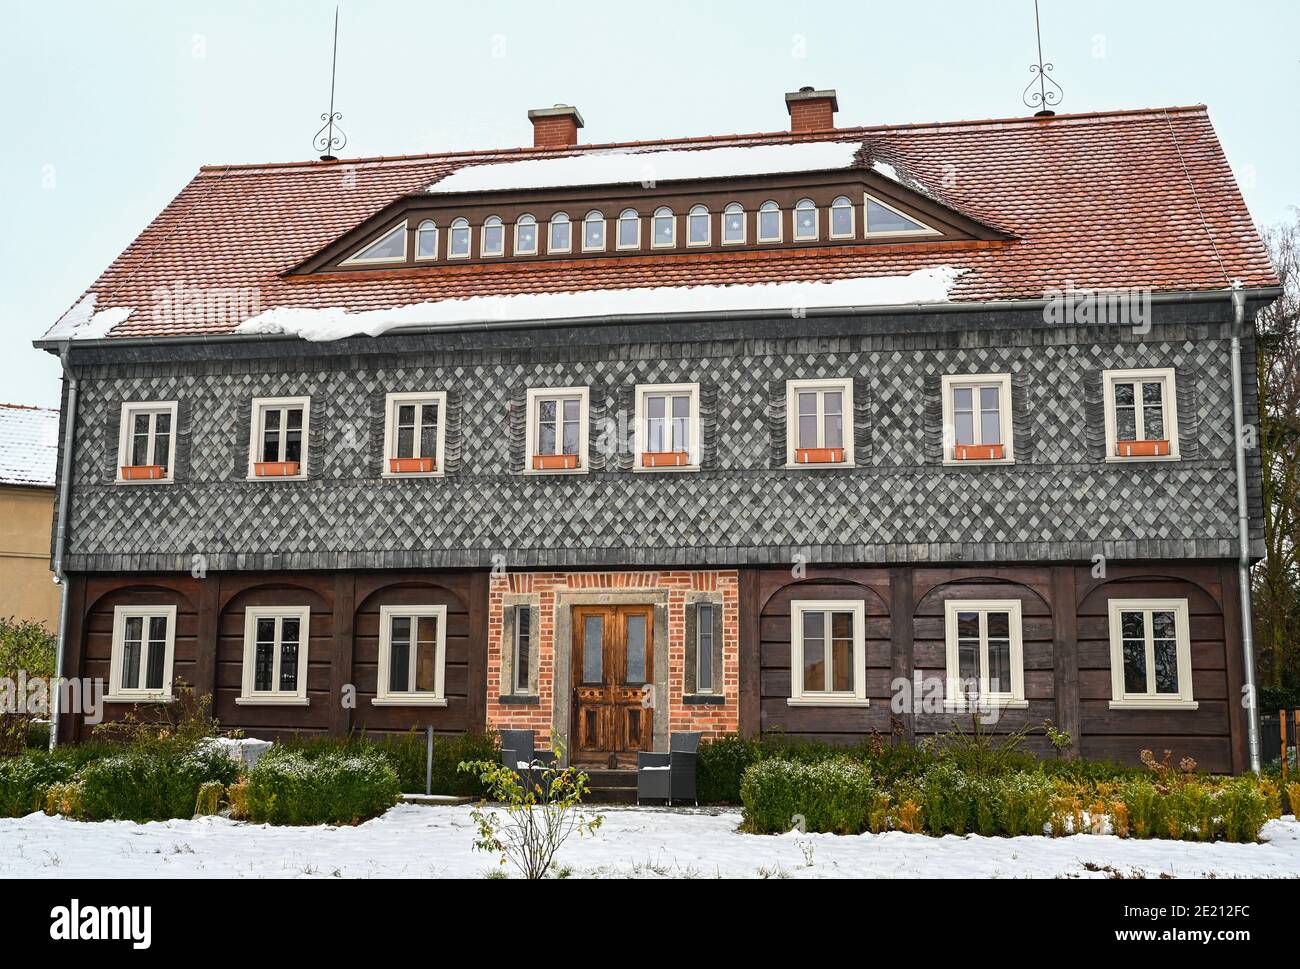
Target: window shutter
{"points": [[932, 401], [709, 426], [602, 440], [181, 470], [776, 418], [517, 427], [692, 645], [1187, 393], [113, 432], [626, 417], [1094, 409], [378, 417], [450, 460], [316, 416], [243, 438], [861, 421], [1022, 424]]}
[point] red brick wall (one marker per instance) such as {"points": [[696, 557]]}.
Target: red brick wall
{"points": [[554, 132], [812, 115], [712, 719]]}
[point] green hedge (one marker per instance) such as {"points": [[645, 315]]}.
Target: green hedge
{"points": [[407, 752], [25, 779], [835, 796], [335, 787], [151, 785]]}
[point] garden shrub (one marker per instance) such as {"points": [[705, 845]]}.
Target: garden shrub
{"points": [[721, 765], [24, 779], [835, 796], [406, 754], [151, 784], [1024, 803], [64, 797], [1242, 809], [26, 652], [209, 799], [336, 787], [1293, 799], [1144, 808]]}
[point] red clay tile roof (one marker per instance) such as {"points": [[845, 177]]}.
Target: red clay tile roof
{"points": [[1094, 201]]}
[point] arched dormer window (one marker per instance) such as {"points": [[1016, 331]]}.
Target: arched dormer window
{"points": [[697, 226], [842, 218], [426, 240], [665, 228], [389, 247], [733, 224], [769, 222], [593, 232], [494, 237], [525, 236], [805, 220], [629, 229], [458, 243], [560, 233]]}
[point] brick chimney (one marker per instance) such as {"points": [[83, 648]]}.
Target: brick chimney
{"points": [[555, 127], [811, 110]]}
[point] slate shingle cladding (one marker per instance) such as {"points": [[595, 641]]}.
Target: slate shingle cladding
{"points": [[1060, 501]]}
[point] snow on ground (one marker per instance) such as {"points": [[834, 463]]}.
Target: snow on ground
{"points": [[417, 841], [332, 323], [632, 166]]}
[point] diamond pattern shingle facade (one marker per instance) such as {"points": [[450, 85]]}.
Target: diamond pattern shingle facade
{"points": [[1059, 501]]}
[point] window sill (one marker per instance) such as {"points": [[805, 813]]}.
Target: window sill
{"points": [[142, 698], [520, 699], [976, 462], [391, 701], [1154, 704], [1140, 458], [965, 706], [402, 475], [811, 466], [546, 471], [272, 701], [144, 481], [703, 699], [276, 478], [682, 467], [838, 701]]}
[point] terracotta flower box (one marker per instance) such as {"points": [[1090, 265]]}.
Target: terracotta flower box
{"points": [[143, 472], [554, 462], [275, 469], [665, 459], [1142, 449], [819, 455], [410, 465], [979, 452]]}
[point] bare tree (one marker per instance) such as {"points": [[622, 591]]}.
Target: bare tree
{"points": [[1276, 580]]}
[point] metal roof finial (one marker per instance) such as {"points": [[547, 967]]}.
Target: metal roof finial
{"points": [[1044, 97], [331, 137]]}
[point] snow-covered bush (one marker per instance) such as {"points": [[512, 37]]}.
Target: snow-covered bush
{"points": [[287, 787], [150, 785], [834, 796]]}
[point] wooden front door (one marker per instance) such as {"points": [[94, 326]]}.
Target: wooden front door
{"points": [[613, 660]]}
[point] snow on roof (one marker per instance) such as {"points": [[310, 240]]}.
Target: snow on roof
{"points": [[29, 445], [334, 323], [632, 166], [83, 322]]}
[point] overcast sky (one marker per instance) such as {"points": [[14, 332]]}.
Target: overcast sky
{"points": [[108, 108]]}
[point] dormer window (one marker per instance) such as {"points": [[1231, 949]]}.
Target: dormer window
{"points": [[426, 240], [884, 219], [805, 220], [733, 224], [842, 218], [629, 230], [665, 228], [390, 247], [494, 237], [561, 234], [769, 222], [697, 226], [458, 244], [593, 232], [526, 236]]}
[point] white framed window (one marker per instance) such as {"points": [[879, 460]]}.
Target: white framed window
{"points": [[1141, 410], [389, 247], [819, 423], [769, 222], [828, 652], [593, 232], [882, 219], [493, 239], [275, 656], [458, 245], [559, 233], [698, 230], [977, 425], [1150, 654], [664, 228], [146, 446], [629, 230], [412, 656], [666, 435], [985, 653], [733, 224], [526, 235], [278, 445], [426, 240], [555, 439], [842, 222], [415, 429], [144, 641], [805, 220]]}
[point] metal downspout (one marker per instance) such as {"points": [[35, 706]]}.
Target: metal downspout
{"points": [[61, 537], [1243, 529]]}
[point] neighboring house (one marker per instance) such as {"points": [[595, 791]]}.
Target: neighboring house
{"points": [[768, 423], [29, 445]]}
